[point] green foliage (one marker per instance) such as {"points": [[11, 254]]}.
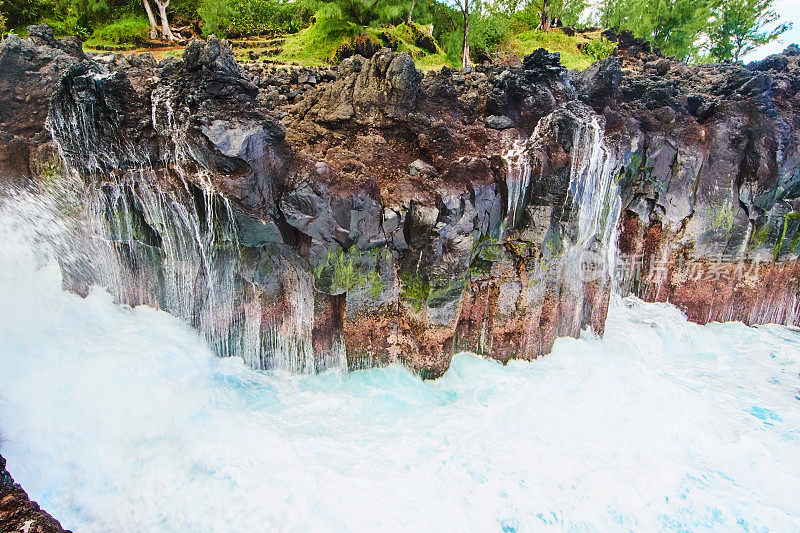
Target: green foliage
{"points": [[66, 17], [407, 39], [252, 17], [567, 11], [346, 273], [741, 27], [78, 17], [445, 19], [696, 30], [182, 11], [486, 34], [678, 27], [416, 289], [363, 12], [572, 57], [22, 12], [599, 49], [787, 220], [719, 220], [375, 285], [675, 26], [350, 271], [317, 44], [3, 21], [217, 17], [328, 38], [127, 30], [487, 249], [759, 238]]}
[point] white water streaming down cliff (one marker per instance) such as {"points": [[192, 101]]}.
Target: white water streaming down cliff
{"points": [[160, 234], [177, 250], [518, 179], [594, 189], [119, 419], [190, 272], [596, 202], [592, 183]]}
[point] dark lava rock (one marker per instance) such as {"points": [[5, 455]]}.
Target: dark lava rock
{"points": [[542, 60], [773, 62], [421, 168], [499, 122], [599, 83], [30, 70]]}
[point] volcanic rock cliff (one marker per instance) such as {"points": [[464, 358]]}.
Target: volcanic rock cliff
{"points": [[369, 213]]}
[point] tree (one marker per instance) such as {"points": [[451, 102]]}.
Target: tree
{"points": [[463, 5], [552, 11], [361, 12], [675, 26], [613, 14], [166, 31], [152, 19], [741, 27], [2, 24]]}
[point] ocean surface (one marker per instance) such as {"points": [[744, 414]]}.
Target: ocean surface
{"points": [[120, 419]]}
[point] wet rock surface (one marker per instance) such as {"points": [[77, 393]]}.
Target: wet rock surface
{"points": [[710, 175], [17, 512], [369, 212]]}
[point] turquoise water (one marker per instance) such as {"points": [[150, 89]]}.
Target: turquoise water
{"points": [[119, 419]]}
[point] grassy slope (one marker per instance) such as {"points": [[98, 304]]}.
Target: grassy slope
{"points": [[308, 47], [423, 59], [314, 47], [524, 43]]}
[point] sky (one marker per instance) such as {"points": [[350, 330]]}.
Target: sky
{"points": [[789, 11]]}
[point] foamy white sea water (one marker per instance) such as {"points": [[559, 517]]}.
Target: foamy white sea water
{"points": [[120, 419]]}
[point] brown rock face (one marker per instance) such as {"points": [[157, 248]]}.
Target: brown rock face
{"points": [[709, 181], [18, 513]]}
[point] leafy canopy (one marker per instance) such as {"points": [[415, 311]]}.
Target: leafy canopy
{"points": [[742, 25], [675, 26]]}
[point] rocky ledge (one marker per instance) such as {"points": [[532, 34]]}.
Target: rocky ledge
{"points": [[370, 213], [18, 513]]}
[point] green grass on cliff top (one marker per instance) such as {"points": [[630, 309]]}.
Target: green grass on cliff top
{"points": [[317, 44], [572, 57]]}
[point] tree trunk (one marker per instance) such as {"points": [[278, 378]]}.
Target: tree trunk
{"points": [[737, 48], [544, 20], [166, 31], [410, 11], [465, 62], [152, 19]]}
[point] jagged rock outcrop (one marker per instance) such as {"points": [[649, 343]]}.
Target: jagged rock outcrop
{"points": [[18, 513], [368, 213], [710, 181], [30, 70]]}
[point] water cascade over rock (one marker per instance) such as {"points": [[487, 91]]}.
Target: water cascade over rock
{"points": [[370, 213]]}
